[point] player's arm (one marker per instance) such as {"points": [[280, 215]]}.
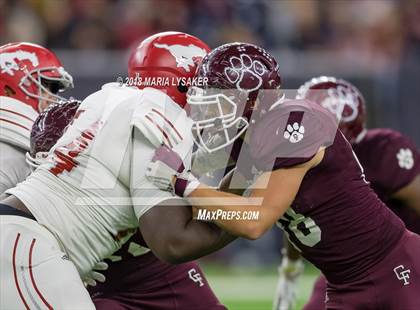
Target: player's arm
{"points": [[410, 195], [401, 162], [172, 234], [274, 191], [165, 220], [272, 195]]}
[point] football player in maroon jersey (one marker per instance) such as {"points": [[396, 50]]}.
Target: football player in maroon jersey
{"points": [[391, 161], [305, 178]]}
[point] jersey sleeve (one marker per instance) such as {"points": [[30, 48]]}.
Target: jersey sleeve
{"points": [[161, 120], [144, 194], [13, 168], [291, 134], [399, 161]]}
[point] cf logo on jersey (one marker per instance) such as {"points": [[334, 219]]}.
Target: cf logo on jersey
{"points": [[402, 274], [196, 277]]}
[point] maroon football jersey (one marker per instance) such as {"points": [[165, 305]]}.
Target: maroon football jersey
{"points": [[391, 161], [336, 220]]}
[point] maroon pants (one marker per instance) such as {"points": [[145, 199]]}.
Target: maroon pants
{"points": [[393, 284], [146, 283], [317, 300]]}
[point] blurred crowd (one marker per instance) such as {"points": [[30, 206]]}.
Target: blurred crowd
{"points": [[374, 30], [378, 40], [374, 43]]}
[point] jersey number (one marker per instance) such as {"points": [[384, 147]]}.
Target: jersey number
{"points": [[65, 156], [303, 228]]}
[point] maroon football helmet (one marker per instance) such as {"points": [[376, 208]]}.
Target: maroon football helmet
{"points": [[233, 76], [48, 128], [343, 99]]}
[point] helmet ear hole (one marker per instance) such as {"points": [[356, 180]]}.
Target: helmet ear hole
{"points": [[182, 88], [8, 91]]}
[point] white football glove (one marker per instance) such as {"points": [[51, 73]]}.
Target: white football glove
{"points": [[289, 272], [167, 172], [95, 275]]}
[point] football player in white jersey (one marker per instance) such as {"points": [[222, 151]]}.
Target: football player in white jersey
{"points": [[82, 197], [133, 271], [30, 78]]}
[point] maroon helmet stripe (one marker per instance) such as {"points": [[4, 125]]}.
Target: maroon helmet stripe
{"points": [[168, 122], [161, 130]]}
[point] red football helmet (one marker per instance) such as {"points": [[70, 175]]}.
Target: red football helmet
{"points": [[166, 61], [343, 99], [48, 128], [32, 74], [234, 75]]}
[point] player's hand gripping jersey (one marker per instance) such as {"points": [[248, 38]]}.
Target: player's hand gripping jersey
{"points": [[85, 192]]}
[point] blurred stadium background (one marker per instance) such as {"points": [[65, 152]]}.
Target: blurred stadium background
{"points": [[375, 44]]}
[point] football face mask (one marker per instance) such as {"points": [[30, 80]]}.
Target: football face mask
{"points": [[45, 84], [215, 116]]}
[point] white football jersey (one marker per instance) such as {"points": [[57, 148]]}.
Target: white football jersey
{"points": [[92, 188], [13, 167], [16, 120]]}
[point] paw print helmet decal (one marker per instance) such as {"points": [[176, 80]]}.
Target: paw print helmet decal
{"points": [[238, 79], [342, 99]]}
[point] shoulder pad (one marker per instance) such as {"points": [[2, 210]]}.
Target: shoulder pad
{"points": [[291, 133], [161, 120], [16, 122], [391, 159]]}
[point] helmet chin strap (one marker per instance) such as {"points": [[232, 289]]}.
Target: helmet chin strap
{"points": [[360, 136]]}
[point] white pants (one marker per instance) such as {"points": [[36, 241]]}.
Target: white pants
{"points": [[34, 272]]}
